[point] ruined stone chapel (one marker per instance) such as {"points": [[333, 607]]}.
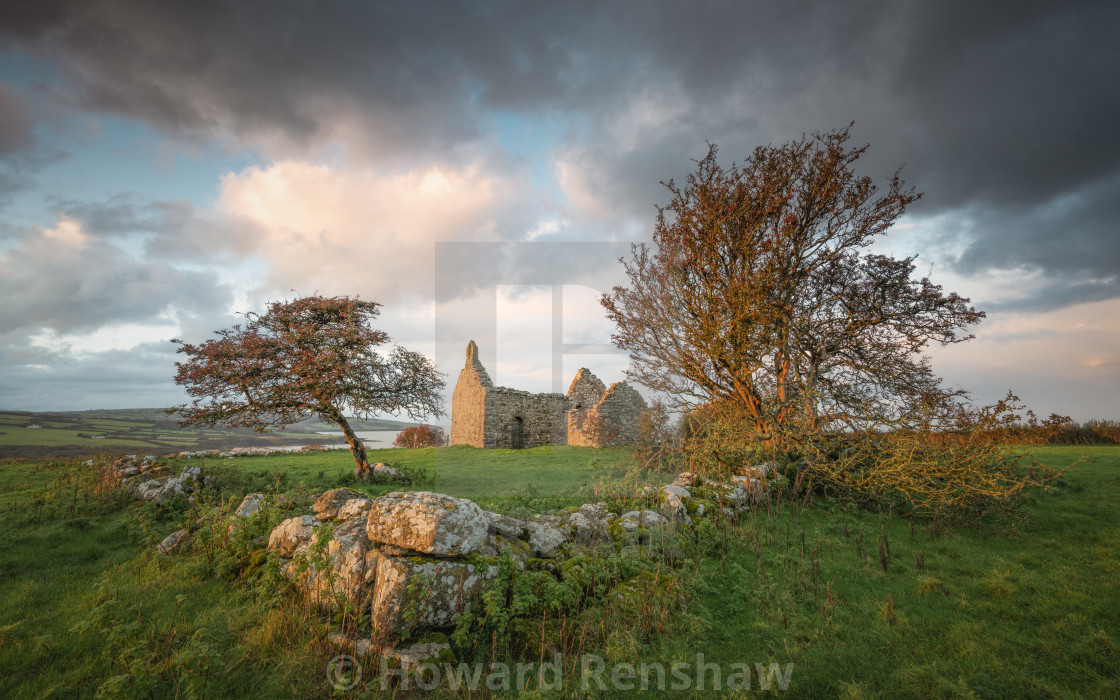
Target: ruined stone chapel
{"points": [[590, 414]]}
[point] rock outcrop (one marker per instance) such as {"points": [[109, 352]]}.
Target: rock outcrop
{"points": [[428, 523], [419, 558]]}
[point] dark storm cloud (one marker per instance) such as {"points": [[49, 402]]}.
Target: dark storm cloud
{"points": [[1002, 113], [16, 123]]}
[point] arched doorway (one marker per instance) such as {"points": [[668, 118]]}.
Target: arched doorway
{"points": [[516, 433]]}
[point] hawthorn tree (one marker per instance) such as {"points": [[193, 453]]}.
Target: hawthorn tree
{"points": [[418, 436], [759, 297], [314, 356]]}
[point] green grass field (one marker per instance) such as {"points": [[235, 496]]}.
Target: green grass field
{"points": [[1015, 610]]}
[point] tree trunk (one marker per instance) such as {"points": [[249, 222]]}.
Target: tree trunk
{"points": [[357, 448]]}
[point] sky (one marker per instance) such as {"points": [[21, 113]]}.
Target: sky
{"points": [[476, 167]]}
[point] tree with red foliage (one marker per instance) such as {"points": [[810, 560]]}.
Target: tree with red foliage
{"points": [[420, 436], [760, 294], [314, 356]]}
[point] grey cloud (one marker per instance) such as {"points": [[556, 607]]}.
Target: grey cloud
{"points": [[174, 230], [1071, 243], [59, 286], [140, 376], [9, 185], [996, 109], [16, 123]]}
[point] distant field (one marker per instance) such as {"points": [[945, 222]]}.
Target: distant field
{"points": [[65, 434]]}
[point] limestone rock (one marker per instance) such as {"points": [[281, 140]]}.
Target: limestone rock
{"points": [[410, 658], [354, 508], [250, 505], [350, 571], [544, 539], [445, 588], [586, 530], [550, 520], [507, 527], [150, 490], [174, 542], [686, 479], [349, 552], [358, 647], [679, 491], [641, 518], [290, 534], [674, 509], [327, 505], [432, 523], [519, 550], [737, 495], [381, 469], [597, 511]]}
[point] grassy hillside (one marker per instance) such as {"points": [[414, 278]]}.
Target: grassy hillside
{"points": [[67, 433], [1017, 609]]}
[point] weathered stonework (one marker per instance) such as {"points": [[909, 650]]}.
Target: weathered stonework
{"points": [[610, 421], [491, 416]]}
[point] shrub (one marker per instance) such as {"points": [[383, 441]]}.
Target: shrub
{"points": [[956, 468], [421, 436]]}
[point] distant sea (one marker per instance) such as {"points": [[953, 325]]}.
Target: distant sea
{"points": [[373, 439]]}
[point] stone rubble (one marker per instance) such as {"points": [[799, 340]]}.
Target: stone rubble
{"points": [[432, 553]]}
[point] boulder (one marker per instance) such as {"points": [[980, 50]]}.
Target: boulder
{"points": [[328, 504], [737, 495], [442, 590], [752, 473], [641, 518], [431, 523], [408, 658], [674, 509], [150, 490], [351, 566], [411, 658], [381, 469], [174, 542], [597, 511], [678, 491], [586, 530], [163, 488], [354, 508], [250, 505], [544, 539], [353, 563], [507, 527], [358, 647], [290, 534], [686, 479], [519, 550]]}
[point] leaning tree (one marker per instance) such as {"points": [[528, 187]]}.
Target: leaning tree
{"points": [[314, 356], [759, 293]]}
